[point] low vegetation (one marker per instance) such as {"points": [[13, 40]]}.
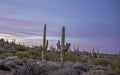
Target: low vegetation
{"points": [[61, 61]]}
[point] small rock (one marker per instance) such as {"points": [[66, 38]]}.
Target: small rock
{"points": [[99, 68], [51, 66], [11, 64], [68, 64], [12, 58]]}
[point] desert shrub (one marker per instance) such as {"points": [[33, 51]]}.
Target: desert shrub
{"points": [[3, 55], [13, 52], [23, 54], [115, 64], [31, 52], [48, 56], [4, 51], [20, 48], [52, 56], [70, 57], [101, 61]]}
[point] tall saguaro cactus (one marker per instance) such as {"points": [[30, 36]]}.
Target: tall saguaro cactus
{"points": [[45, 43], [63, 48]]}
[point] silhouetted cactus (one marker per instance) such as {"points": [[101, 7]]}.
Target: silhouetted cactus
{"points": [[63, 48], [45, 43], [95, 53]]}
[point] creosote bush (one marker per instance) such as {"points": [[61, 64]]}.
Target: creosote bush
{"points": [[4, 55], [24, 54], [69, 56], [20, 48], [101, 61], [115, 64], [4, 51]]}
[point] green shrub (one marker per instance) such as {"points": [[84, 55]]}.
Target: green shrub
{"points": [[101, 61], [31, 52], [20, 48], [115, 64], [52, 56], [4, 55], [70, 57], [4, 51], [23, 54]]}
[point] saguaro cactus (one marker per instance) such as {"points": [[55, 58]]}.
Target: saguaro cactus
{"points": [[63, 48], [45, 43]]}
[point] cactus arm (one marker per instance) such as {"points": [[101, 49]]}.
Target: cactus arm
{"points": [[58, 45], [67, 47]]}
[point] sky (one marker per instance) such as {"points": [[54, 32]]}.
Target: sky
{"points": [[88, 23]]}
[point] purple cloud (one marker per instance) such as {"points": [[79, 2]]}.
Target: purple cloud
{"points": [[88, 24]]}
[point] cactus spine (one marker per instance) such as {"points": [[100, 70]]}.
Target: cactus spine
{"points": [[45, 43], [63, 48]]}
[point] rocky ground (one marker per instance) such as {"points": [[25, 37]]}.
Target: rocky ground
{"points": [[15, 66]]}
